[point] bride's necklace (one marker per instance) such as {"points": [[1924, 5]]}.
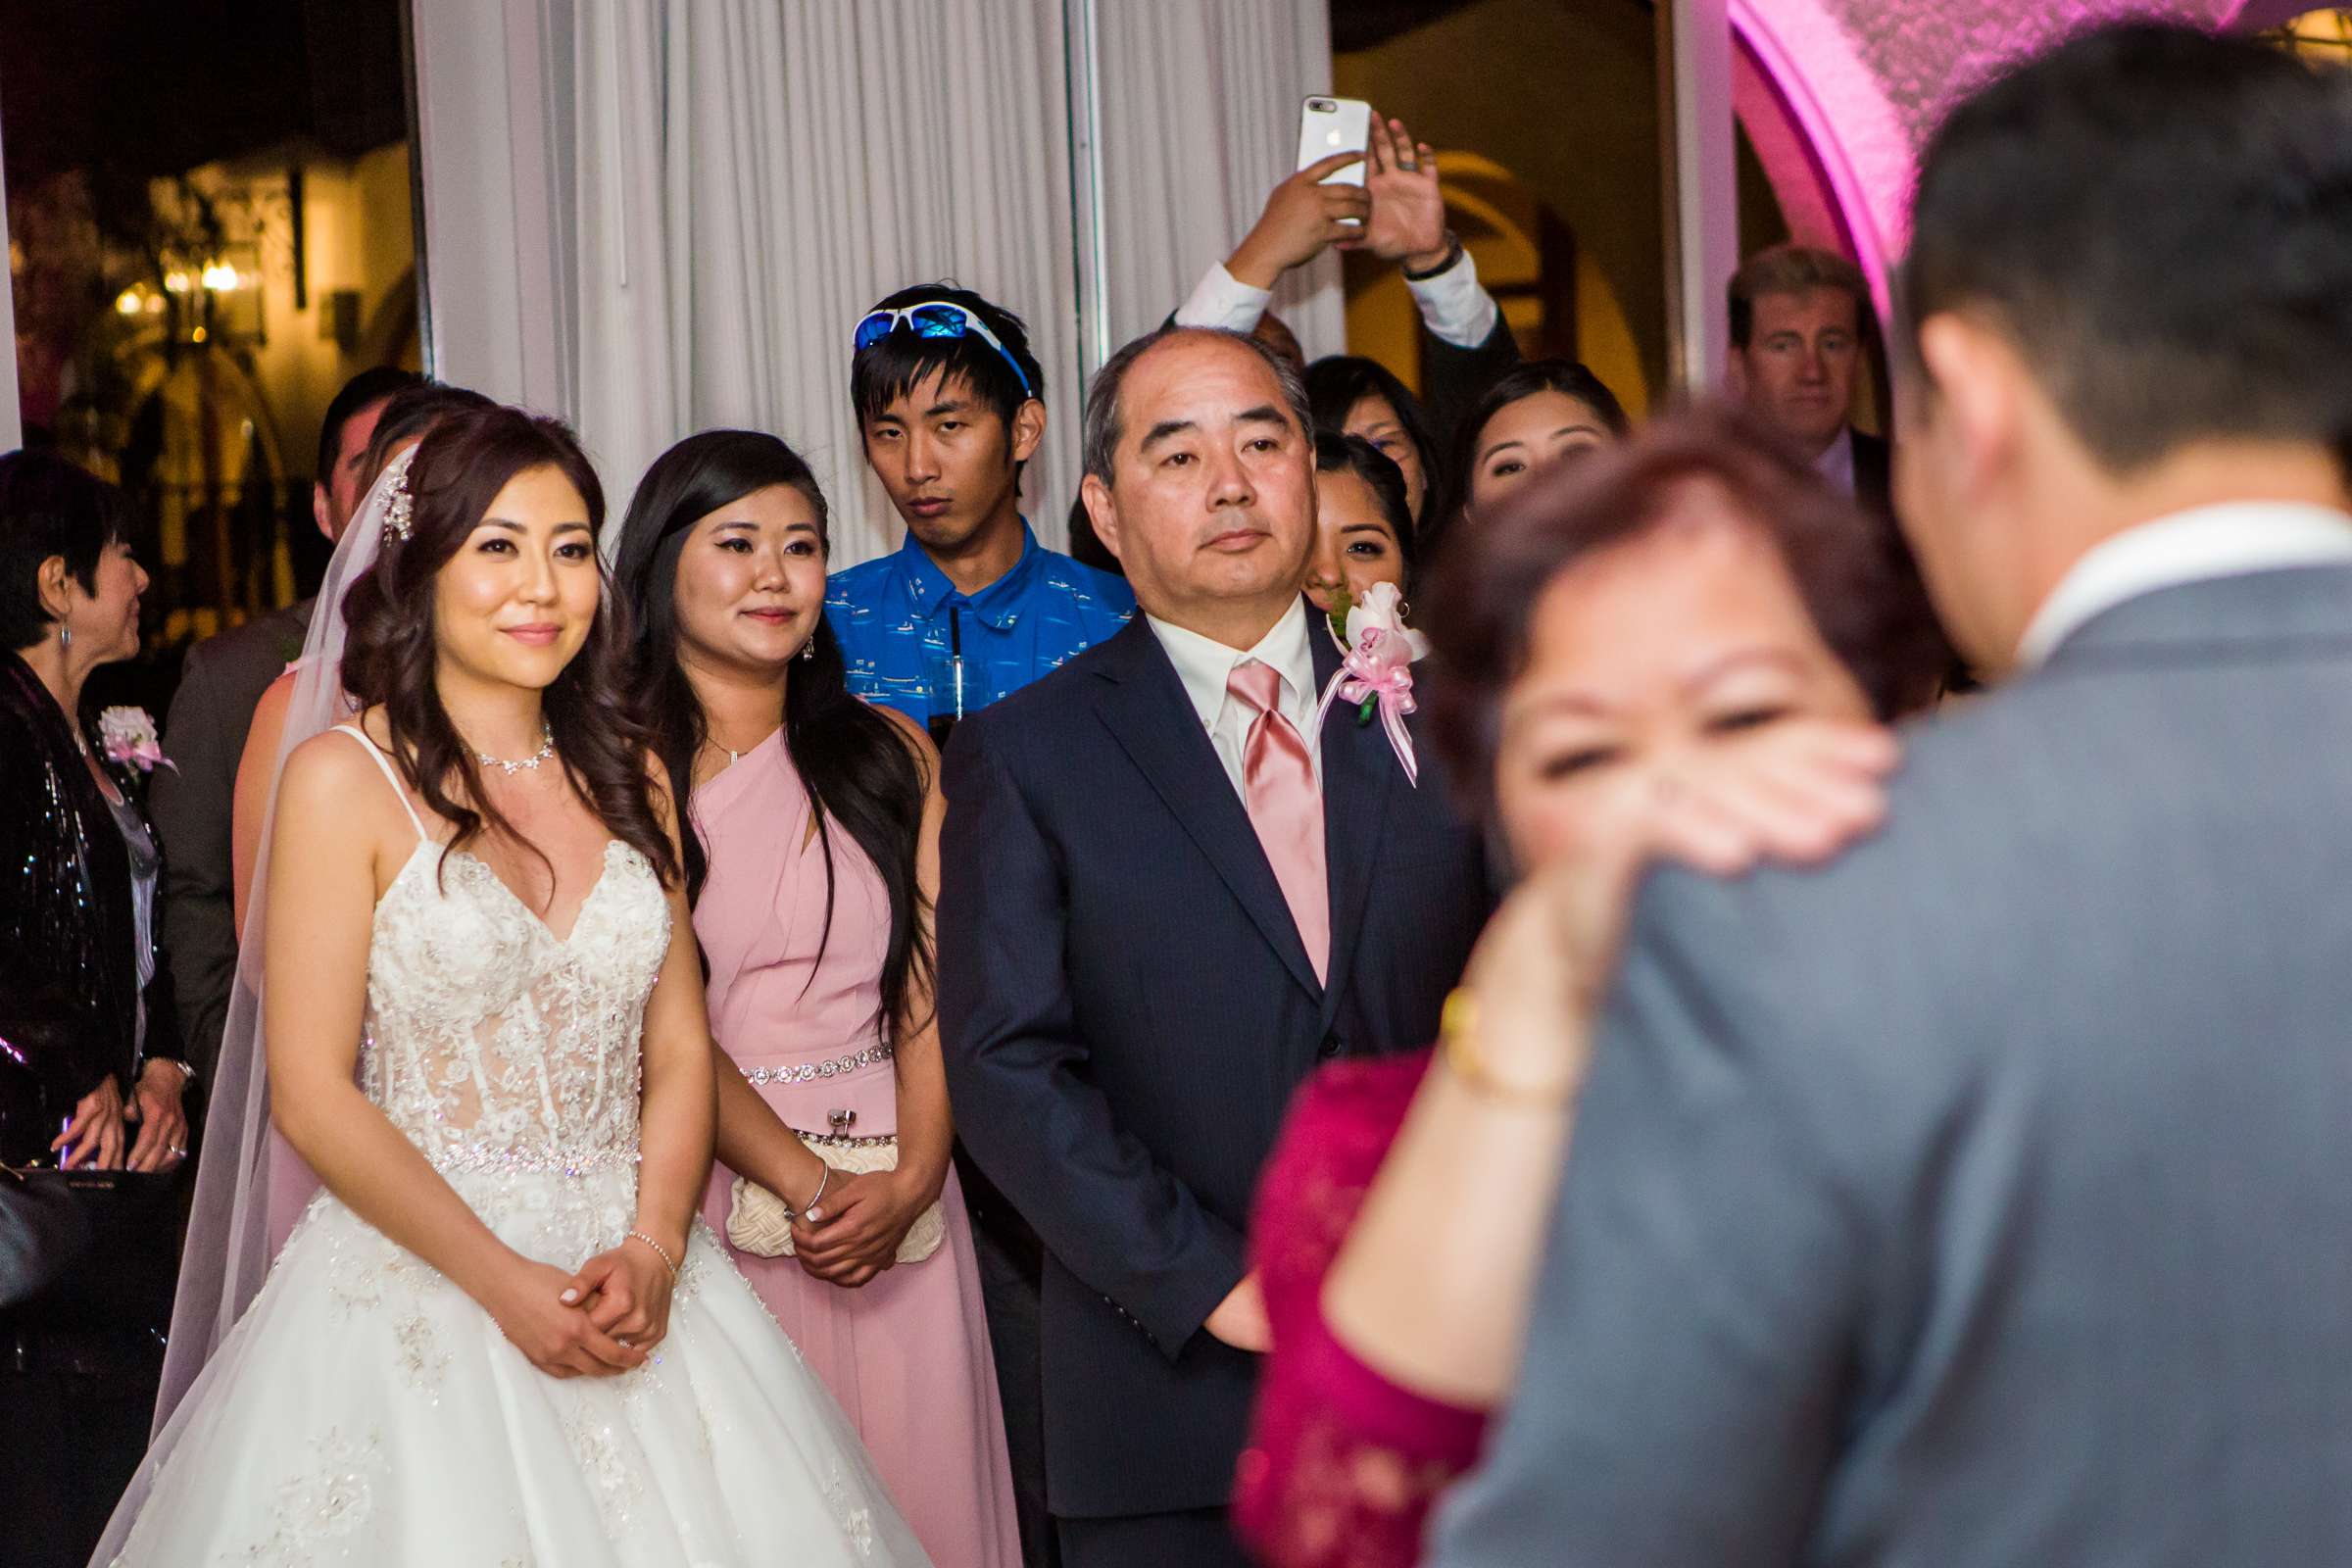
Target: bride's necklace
{"points": [[547, 748]]}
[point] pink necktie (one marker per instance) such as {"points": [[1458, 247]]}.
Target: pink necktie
{"points": [[1278, 783]]}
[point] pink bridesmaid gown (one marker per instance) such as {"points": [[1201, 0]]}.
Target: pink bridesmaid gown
{"points": [[905, 1354]]}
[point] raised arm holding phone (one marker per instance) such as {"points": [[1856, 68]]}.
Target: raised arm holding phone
{"points": [[1397, 212]]}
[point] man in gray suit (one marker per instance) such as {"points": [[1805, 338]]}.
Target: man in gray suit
{"points": [[1985, 1199], [205, 732]]}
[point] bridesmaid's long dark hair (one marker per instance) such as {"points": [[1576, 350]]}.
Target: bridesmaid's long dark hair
{"points": [[458, 472], [859, 769]]}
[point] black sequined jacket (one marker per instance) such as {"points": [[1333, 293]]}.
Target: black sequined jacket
{"points": [[68, 977]]}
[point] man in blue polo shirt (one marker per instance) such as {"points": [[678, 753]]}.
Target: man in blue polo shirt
{"points": [[950, 404]]}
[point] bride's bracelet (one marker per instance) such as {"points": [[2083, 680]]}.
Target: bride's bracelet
{"points": [[659, 1252]]}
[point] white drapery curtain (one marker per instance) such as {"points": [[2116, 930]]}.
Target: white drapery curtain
{"points": [[655, 216], [725, 186], [1199, 119]]}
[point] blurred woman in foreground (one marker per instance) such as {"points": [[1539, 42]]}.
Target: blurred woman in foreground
{"points": [[1685, 648]]}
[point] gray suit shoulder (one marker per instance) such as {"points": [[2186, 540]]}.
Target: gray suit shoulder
{"points": [[1877, 986], [2056, 861], [245, 659]]}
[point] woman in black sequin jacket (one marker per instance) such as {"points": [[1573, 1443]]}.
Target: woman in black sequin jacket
{"points": [[86, 1025]]}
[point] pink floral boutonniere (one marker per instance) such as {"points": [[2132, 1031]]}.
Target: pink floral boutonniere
{"points": [[127, 735], [1377, 669]]}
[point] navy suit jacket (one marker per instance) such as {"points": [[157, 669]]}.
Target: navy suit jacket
{"points": [[1126, 1008]]}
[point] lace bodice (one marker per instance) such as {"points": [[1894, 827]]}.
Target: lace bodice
{"points": [[490, 1041]]}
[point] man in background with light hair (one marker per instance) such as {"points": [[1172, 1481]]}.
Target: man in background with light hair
{"points": [[1798, 318]]}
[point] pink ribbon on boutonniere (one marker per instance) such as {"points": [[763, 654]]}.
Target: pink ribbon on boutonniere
{"points": [[1376, 670], [127, 735]]}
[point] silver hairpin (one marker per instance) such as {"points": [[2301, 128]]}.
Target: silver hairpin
{"points": [[400, 506]]}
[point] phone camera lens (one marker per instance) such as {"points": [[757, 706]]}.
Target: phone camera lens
{"points": [[1321, 106]]}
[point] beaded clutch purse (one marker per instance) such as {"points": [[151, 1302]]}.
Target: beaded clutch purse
{"points": [[758, 1223]]}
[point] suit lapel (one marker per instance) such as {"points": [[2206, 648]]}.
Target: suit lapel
{"points": [[1145, 707], [1359, 780]]}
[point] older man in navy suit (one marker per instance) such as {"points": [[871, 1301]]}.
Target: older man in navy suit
{"points": [[1167, 893]]}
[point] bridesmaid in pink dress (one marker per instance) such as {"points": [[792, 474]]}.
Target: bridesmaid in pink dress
{"points": [[818, 943]]}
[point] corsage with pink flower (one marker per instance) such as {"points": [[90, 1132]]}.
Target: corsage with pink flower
{"points": [[127, 738], [1376, 667]]}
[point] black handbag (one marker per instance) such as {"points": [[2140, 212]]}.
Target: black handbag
{"points": [[43, 1231], [27, 1122], [111, 1256]]}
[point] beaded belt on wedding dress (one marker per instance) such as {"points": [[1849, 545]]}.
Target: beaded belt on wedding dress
{"points": [[810, 1073], [467, 1159]]}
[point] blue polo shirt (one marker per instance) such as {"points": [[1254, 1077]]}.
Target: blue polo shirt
{"points": [[900, 623]]}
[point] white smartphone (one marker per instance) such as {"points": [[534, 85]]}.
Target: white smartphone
{"points": [[1328, 125]]}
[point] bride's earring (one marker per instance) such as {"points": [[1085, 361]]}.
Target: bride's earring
{"points": [[809, 647], [65, 637]]}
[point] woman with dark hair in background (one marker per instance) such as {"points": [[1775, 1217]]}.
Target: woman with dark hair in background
{"points": [[1684, 647], [1356, 396], [1542, 413], [485, 1030], [88, 1041], [1363, 525], [811, 861]]}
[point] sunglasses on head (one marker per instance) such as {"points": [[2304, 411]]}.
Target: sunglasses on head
{"points": [[934, 319]]}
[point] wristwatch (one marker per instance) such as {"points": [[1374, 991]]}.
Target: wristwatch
{"points": [[187, 1073], [1453, 254]]}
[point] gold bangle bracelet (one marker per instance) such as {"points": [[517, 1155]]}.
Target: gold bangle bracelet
{"points": [[1457, 1035]]}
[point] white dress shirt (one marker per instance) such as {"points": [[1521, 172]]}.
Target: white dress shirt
{"points": [[2228, 540], [1204, 665], [1454, 306]]}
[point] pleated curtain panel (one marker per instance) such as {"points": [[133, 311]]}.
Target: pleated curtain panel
{"points": [[1199, 104], [655, 216]]}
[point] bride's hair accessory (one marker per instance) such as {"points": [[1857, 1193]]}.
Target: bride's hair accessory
{"points": [[399, 505]]}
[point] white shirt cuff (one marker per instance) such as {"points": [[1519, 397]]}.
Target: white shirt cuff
{"points": [[1220, 299], [1454, 306]]}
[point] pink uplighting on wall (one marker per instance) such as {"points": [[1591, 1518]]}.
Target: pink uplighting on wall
{"points": [[1837, 96]]}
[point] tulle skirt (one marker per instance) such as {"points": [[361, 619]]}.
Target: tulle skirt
{"points": [[367, 1411]]}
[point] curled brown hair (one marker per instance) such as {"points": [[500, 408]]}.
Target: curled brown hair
{"points": [[1856, 578], [458, 472]]}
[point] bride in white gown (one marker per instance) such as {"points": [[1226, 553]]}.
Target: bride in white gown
{"points": [[497, 1336]]}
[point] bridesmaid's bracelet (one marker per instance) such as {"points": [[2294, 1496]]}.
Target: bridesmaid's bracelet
{"points": [[659, 1252]]}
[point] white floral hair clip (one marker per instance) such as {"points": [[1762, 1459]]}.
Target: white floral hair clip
{"points": [[400, 506]]}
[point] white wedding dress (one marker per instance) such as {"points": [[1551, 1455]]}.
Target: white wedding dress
{"points": [[367, 1411]]}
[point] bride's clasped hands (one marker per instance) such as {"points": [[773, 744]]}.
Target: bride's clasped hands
{"points": [[625, 1291], [570, 1326]]}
